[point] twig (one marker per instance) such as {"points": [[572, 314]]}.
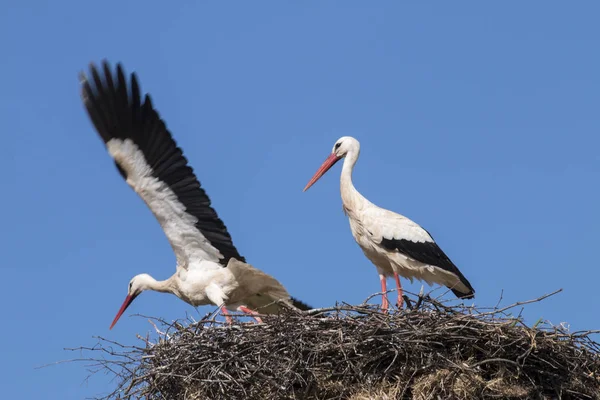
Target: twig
{"points": [[522, 303]]}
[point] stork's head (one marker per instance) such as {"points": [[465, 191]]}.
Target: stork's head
{"points": [[345, 145], [342, 147], [137, 285]]}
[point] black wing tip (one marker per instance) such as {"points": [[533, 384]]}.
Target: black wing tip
{"points": [[300, 304], [96, 70], [462, 295], [104, 63]]}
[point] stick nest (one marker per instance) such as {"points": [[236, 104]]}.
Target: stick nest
{"points": [[429, 351]]}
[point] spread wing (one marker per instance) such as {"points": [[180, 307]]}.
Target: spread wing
{"points": [[150, 161]]}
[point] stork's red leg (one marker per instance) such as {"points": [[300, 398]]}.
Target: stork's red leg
{"points": [[251, 312], [384, 300], [400, 292], [226, 314]]}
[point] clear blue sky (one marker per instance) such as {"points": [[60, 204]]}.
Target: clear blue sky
{"points": [[480, 122]]}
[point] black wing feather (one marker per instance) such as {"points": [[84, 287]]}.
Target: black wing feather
{"points": [[429, 253], [118, 113], [300, 304]]}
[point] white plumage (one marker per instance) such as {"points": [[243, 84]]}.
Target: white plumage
{"points": [[395, 244], [209, 267]]}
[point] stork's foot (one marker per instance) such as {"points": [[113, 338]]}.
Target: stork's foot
{"points": [[253, 313], [226, 314]]}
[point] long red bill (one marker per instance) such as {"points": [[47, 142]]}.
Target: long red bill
{"points": [[126, 304], [332, 159]]}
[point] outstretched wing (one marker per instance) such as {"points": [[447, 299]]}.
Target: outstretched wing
{"points": [[150, 161]]}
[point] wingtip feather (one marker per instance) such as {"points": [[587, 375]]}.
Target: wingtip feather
{"points": [[300, 304], [465, 296]]}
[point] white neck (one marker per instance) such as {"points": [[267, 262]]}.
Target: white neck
{"points": [[351, 198], [166, 286]]}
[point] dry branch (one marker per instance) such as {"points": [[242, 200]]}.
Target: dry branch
{"points": [[356, 352]]}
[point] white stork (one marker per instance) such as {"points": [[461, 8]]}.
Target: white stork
{"points": [[394, 243], [209, 267]]}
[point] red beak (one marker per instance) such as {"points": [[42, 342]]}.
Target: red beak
{"points": [[332, 159], [126, 304]]}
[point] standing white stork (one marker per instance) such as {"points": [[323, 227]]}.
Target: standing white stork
{"points": [[394, 243], [209, 267]]}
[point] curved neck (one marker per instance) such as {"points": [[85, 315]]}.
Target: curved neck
{"points": [[350, 196], [166, 286]]}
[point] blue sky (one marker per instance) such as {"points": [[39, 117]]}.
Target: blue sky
{"points": [[478, 121]]}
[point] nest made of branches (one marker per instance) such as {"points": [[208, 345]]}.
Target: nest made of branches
{"points": [[428, 351]]}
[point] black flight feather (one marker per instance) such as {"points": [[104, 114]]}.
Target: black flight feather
{"points": [[429, 253]]}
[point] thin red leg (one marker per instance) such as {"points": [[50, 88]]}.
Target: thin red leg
{"points": [[400, 292], [384, 300], [251, 312], [226, 314]]}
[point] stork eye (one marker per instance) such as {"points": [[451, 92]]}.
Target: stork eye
{"points": [[337, 145]]}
